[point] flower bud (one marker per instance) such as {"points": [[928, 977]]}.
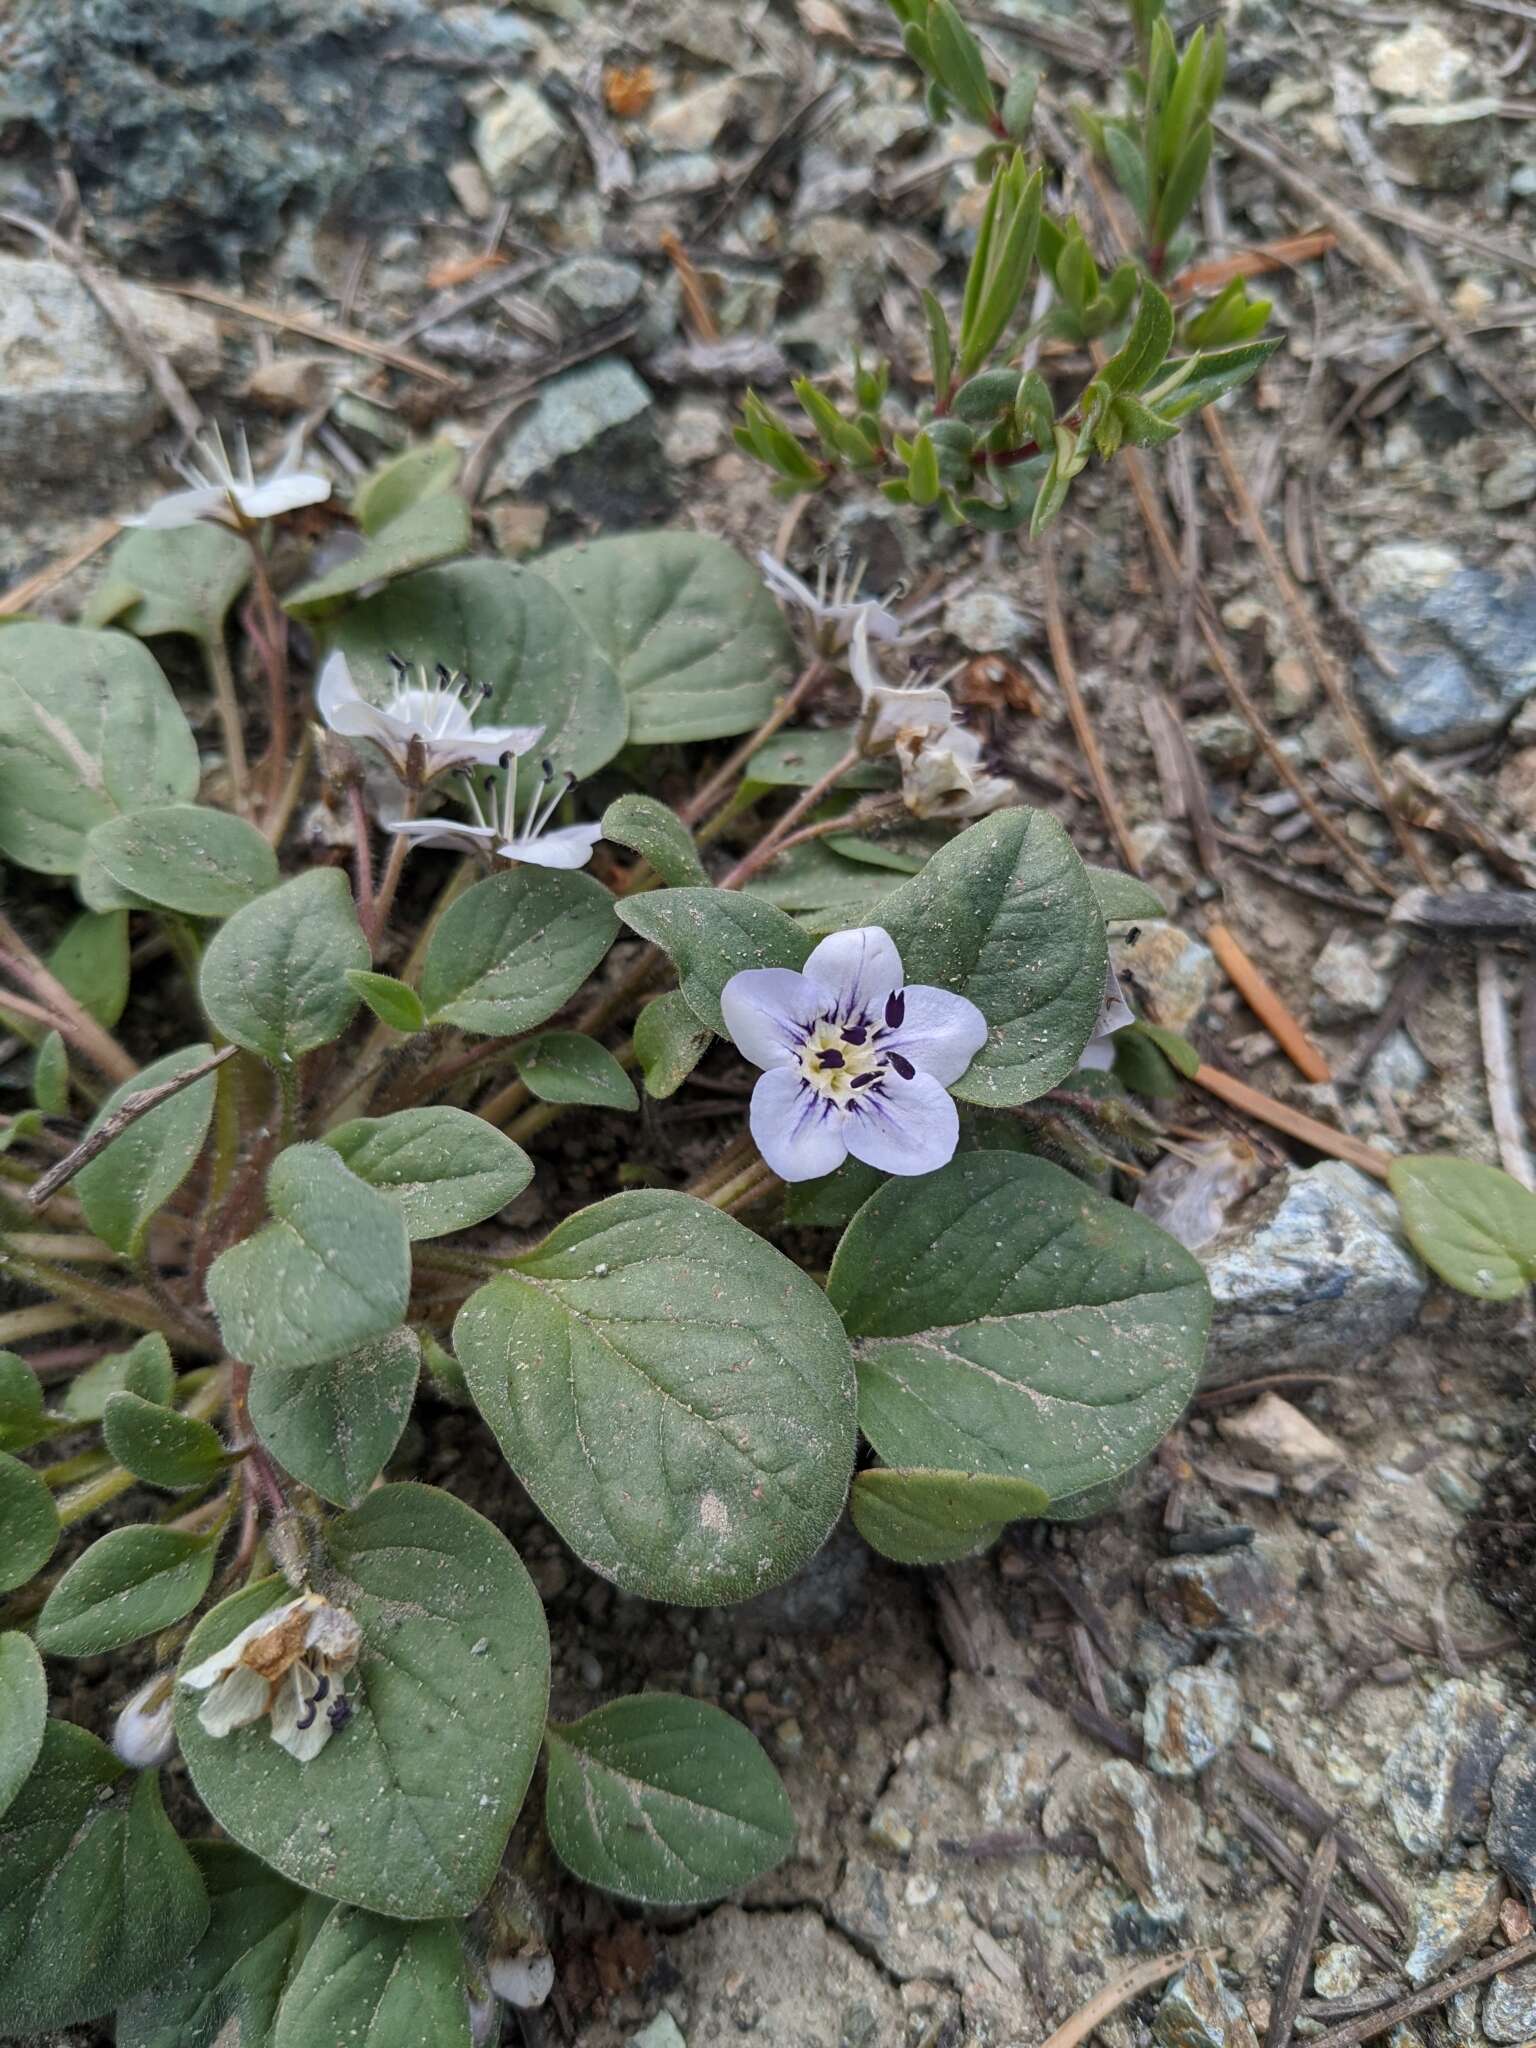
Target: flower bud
{"points": [[522, 1981], [143, 1735]]}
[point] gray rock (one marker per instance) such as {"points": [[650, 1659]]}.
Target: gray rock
{"points": [[1312, 1270], [1348, 980], [827, 1595], [1453, 1914], [1191, 1716], [68, 387], [1512, 483], [848, 262], [663, 2032], [1422, 64], [1444, 149], [1340, 1968], [1509, 2005], [1147, 1833], [987, 622], [1198, 2011], [587, 290], [1436, 1782], [589, 441], [1171, 973], [1512, 1829], [1229, 1596], [519, 139], [1464, 641], [694, 120], [780, 1978], [201, 133]]}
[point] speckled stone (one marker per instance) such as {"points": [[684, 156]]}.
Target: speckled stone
{"points": [[1191, 1716], [1436, 1782]]}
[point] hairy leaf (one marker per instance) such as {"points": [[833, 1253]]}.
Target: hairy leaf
{"points": [[274, 979], [442, 1168]]}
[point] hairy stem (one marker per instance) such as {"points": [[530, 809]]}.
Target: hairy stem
{"points": [[221, 678]]}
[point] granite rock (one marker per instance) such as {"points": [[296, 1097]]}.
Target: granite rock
{"points": [[1509, 2005], [1191, 1716], [1512, 1828], [1198, 2011], [589, 441], [1453, 1914], [1436, 1782], [1464, 641], [1147, 1833]]}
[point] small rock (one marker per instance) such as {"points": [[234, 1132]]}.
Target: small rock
{"points": [[1223, 739], [519, 139], [694, 120], [1512, 483], [693, 434], [589, 438], [987, 622], [1436, 1782], [1228, 1596], [1146, 1832], [890, 1831], [848, 261], [68, 387], [519, 529], [587, 290], [1198, 2011], [1509, 2007], [1191, 1193], [1453, 1914], [1339, 1970], [1512, 1829], [1312, 1270], [1191, 1716], [1464, 641], [1349, 982], [1279, 1438], [1422, 64], [1443, 149], [1172, 974], [291, 383], [663, 2032]]}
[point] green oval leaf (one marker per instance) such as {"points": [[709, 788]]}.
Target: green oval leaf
{"points": [[513, 948], [98, 1898], [1007, 915], [1470, 1223], [130, 1583], [1009, 1321], [88, 728], [335, 1425], [145, 1368], [434, 529], [178, 579], [699, 645], [664, 1800], [22, 1419], [124, 1188], [391, 1001], [258, 1932], [274, 978], [29, 1523], [23, 1712], [373, 1983], [566, 1066], [673, 1392], [407, 1809], [186, 857], [50, 1076], [658, 835], [711, 934], [91, 959], [506, 627], [669, 1042], [934, 1517], [331, 1270], [442, 1168], [405, 480], [159, 1445], [1122, 897]]}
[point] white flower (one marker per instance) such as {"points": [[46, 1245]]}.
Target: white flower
{"points": [[943, 776], [215, 486], [832, 608], [1114, 1014], [522, 1981], [893, 712], [286, 1663], [425, 727], [143, 1734], [854, 1063], [568, 846]]}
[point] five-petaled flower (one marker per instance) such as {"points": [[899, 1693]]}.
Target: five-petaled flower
{"points": [[834, 609], [855, 1063], [217, 489], [495, 826], [425, 727], [289, 1664]]}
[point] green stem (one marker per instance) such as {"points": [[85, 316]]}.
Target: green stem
{"points": [[41, 1321], [110, 1304], [221, 677]]}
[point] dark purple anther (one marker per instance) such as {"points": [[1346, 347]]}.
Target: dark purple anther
{"points": [[855, 1034], [830, 1058], [895, 1010], [341, 1711], [903, 1066], [863, 1080]]}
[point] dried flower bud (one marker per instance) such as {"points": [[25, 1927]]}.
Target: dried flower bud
{"points": [[143, 1734], [522, 1981]]}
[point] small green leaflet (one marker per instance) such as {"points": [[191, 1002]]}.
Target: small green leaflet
{"points": [[159, 1445], [669, 1043], [23, 1421], [934, 1517], [23, 1712], [711, 934], [566, 1066], [407, 1809], [50, 1076], [202, 862], [513, 948], [442, 1168], [29, 1523], [123, 1188], [143, 1369], [332, 1269], [391, 1001], [658, 835], [335, 1425], [663, 1800], [91, 959], [274, 978], [132, 1582], [98, 1898], [1470, 1223], [433, 529], [672, 1391], [373, 1983], [1122, 897], [404, 480], [1009, 1321]]}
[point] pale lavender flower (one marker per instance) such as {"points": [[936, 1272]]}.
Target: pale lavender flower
{"points": [[496, 826], [216, 487], [832, 606], [143, 1734], [893, 712], [288, 1663], [855, 1063], [426, 726], [1115, 1013]]}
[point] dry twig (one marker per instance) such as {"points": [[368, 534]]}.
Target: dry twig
{"points": [[1430, 1999], [1077, 710], [1267, 1005], [1294, 1122], [1303, 1940], [1089, 2018]]}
